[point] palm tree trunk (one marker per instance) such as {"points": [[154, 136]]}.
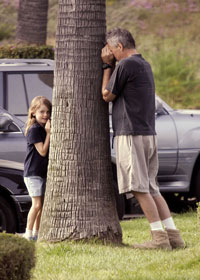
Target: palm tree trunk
{"points": [[79, 200], [32, 22]]}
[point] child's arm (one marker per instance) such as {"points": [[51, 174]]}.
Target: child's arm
{"points": [[41, 147]]}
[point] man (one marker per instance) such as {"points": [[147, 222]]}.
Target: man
{"points": [[130, 86]]}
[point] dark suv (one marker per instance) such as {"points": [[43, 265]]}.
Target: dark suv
{"points": [[14, 199], [20, 81]]}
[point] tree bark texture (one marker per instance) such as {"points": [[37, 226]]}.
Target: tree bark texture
{"points": [[32, 22], [79, 201]]}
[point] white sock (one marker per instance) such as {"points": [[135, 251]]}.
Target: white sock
{"points": [[169, 223], [35, 233], [156, 225], [28, 232]]}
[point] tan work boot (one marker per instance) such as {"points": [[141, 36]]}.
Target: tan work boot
{"points": [[175, 238], [159, 240]]}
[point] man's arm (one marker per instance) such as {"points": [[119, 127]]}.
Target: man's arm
{"points": [[107, 95], [107, 58]]}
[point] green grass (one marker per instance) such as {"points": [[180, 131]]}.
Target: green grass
{"points": [[74, 261]]}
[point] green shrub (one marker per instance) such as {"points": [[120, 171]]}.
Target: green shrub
{"points": [[5, 31], [27, 52], [175, 77], [17, 257]]}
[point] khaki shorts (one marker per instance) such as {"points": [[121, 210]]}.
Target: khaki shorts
{"points": [[137, 163]]}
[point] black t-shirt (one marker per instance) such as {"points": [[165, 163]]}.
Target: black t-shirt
{"points": [[134, 108], [35, 164]]}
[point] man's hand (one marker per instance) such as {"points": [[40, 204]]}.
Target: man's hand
{"points": [[107, 56]]}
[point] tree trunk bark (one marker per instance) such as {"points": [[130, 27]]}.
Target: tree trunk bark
{"points": [[79, 201], [32, 22]]}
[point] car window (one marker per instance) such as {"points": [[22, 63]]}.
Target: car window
{"points": [[16, 98], [22, 88], [39, 84]]}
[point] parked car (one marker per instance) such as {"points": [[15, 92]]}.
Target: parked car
{"points": [[14, 199], [20, 81], [178, 134]]}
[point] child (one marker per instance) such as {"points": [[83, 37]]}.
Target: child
{"points": [[36, 161]]}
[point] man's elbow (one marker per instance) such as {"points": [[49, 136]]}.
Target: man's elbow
{"points": [[105, 95], [105, 98]]}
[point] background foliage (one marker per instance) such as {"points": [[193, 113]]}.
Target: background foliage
{"points": [[166, 33], [27, 52]]}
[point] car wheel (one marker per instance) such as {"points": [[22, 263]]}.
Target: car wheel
{"points": [[7, 217], [120, 203]]}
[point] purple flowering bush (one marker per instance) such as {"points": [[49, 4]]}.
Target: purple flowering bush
{"points": [[167, 6]]}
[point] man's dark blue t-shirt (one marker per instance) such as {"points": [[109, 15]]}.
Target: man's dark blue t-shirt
{"points": [[134, 108], [35, 164]]}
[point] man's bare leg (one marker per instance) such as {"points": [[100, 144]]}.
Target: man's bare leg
{"points": [[160, 238], [162, 207], [148, 206]]}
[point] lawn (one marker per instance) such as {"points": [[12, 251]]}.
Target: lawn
{"points": [[70, 260]]}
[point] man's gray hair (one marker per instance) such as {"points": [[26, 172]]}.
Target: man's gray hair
{"points": [[119, 35]]}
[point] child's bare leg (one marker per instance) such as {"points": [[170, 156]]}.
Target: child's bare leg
{"points": [[37, 221], [32, 215], [38, 217]]}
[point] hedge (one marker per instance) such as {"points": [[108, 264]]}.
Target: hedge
{"points": [[17, 257], [27, 52]]}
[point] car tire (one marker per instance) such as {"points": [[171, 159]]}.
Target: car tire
{"points": [[120, 202], [7, 217]]}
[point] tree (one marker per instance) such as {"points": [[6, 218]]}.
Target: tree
{"points": [[32, 22], [79, 201]]}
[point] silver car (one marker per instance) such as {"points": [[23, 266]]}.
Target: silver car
{"points": [[178, 149]]}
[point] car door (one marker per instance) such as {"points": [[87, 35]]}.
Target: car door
{"points": [[12, 140], [167, 142]]}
